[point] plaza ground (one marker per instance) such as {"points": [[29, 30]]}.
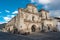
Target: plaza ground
{"points": [[34, 36]]}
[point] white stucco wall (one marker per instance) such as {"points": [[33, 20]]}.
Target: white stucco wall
{"points": [[58, 26]]}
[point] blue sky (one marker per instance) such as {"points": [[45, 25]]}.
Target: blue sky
{"points": [[8, 8]]}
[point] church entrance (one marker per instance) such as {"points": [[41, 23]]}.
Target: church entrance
{"points": [[48, 28], [33, 28], [15, 30], [49, 25]]}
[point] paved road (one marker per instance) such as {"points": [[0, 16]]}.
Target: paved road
{"points": [[35, 36], [7, 36], [46, 36]]}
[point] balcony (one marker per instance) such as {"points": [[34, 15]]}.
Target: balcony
{"points": [[25, 20]]}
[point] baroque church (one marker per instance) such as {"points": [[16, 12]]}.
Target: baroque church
{"points": [[29, 20]]}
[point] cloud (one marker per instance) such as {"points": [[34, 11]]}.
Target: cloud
{"points": [[52, 5], [41, 1], [15, 12], [1, 22], [7, 19], [7, 11], [32, 1], [44, 1], [55, 5], [45, 7], [12, 16], [55, 13]]}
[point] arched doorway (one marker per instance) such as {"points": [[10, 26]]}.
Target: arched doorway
{"points": [[15, 30], [9, 30], [33, 28], [48, 28], [49, 25]]}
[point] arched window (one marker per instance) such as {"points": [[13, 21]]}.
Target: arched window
{"points": [[33, 18]]}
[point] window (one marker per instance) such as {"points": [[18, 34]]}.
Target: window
{"points": [[33, 18], [35, 10], [26, 16]]}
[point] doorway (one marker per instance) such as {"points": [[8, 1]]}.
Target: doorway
{"points": [[33, 28], [15, 30]]}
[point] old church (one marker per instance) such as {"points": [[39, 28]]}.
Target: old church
{"points": [[29, 20]]}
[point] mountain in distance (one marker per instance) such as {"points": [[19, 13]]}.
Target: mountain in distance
{"points": [[2, 25]]}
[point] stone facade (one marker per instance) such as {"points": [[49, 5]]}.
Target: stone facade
{"points": [[30, 20]]}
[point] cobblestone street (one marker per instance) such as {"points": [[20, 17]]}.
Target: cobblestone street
{"points": [[36, 36]]}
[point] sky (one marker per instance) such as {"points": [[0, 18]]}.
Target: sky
{"points": [[9, 8]]}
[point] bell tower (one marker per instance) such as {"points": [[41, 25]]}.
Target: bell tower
{"points": [[44, 14], [32, 8]]}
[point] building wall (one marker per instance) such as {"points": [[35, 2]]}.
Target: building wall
{"points": [[51, 24]]}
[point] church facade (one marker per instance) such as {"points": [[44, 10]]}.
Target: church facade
{"points": [[31, 20]]}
